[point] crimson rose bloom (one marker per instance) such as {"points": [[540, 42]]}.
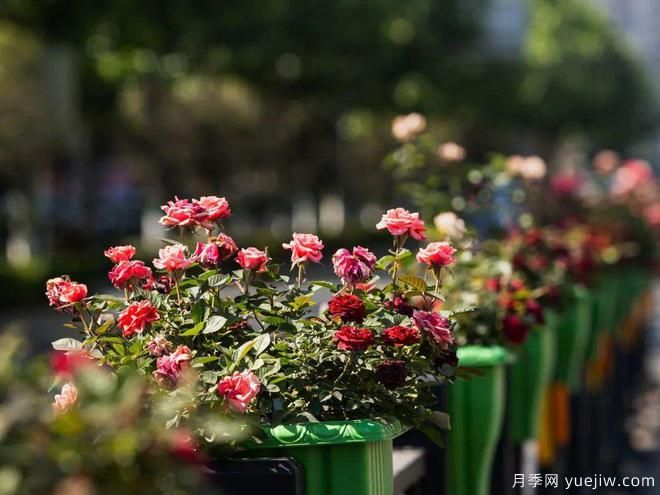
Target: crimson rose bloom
{"points": [[354, 338], [514, 329], [392, 373], [348, 307], [136, 317], [125, 271], [239, 389], [399, 336], [399, 305]]}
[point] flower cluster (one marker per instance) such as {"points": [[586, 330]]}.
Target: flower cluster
{"points": [[252, 340]]}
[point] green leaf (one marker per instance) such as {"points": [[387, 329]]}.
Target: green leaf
{"points": [[217, 280], [194, 330], [67, 344], [384, 262], [324, 284], [432, 432], [275, 321], [197, 311], [105, 327], [415, 282], [238, 355], [214, 323], [261, 343], [440, 419]]}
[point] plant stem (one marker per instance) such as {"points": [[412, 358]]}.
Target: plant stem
{"points": [[301, 270]]}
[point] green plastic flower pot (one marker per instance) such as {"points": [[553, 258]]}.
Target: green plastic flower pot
{"points": [[339, 457], [476, 408], [529, 378], [572, 336], [604, 300]]}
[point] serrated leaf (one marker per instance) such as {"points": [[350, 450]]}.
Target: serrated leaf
{"points": [[412, 281], [214, 324], [67, 344]]}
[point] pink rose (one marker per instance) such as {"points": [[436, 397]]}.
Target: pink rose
{"points": [[63, 293], [435, 325], [126, 271], [66, 398], [120, 253], [437, 254], [207, 254], [407, 127], [159, 345], [400, 222], [215, 208], [354, 268], [183, 213], [240, 389], [171, 367], [172, 258], [136, 317], [252, 259], [305, 247]]}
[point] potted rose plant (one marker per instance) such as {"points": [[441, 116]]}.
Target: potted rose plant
{"points": [[329, 388]]}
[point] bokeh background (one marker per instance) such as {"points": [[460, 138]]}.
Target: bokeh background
{"points": [[107, 109]]}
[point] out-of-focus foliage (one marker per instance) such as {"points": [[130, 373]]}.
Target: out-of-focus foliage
{"points": [[110, 440]]}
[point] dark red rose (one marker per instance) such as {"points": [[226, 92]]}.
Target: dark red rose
{"points": [[533, 237], [392, 373], [347, 307], [535, 309], [519, 261], [447, 359], [399, 305], [516, 284], [399, 336], [514, 329], [354, 338]]}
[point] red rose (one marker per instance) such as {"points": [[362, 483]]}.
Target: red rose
{"points": [[354, 338], [392, 373], [62, 293], [536, 310], [515, 330], [399, 305], [125, 271], [399, 336], [136, 317], [347, 307]]}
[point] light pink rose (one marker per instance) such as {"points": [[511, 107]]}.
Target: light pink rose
{"points": [[159, 345], [252, 259], [66, 398], [171, 367], [451, 152], [434, 325], [407, 127], [437, 254], [215, 208], [354, 268], [172, 257], [63, 293], [449, 224], [120, 253], [399, 222], [240, 389], [305, 247]]}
